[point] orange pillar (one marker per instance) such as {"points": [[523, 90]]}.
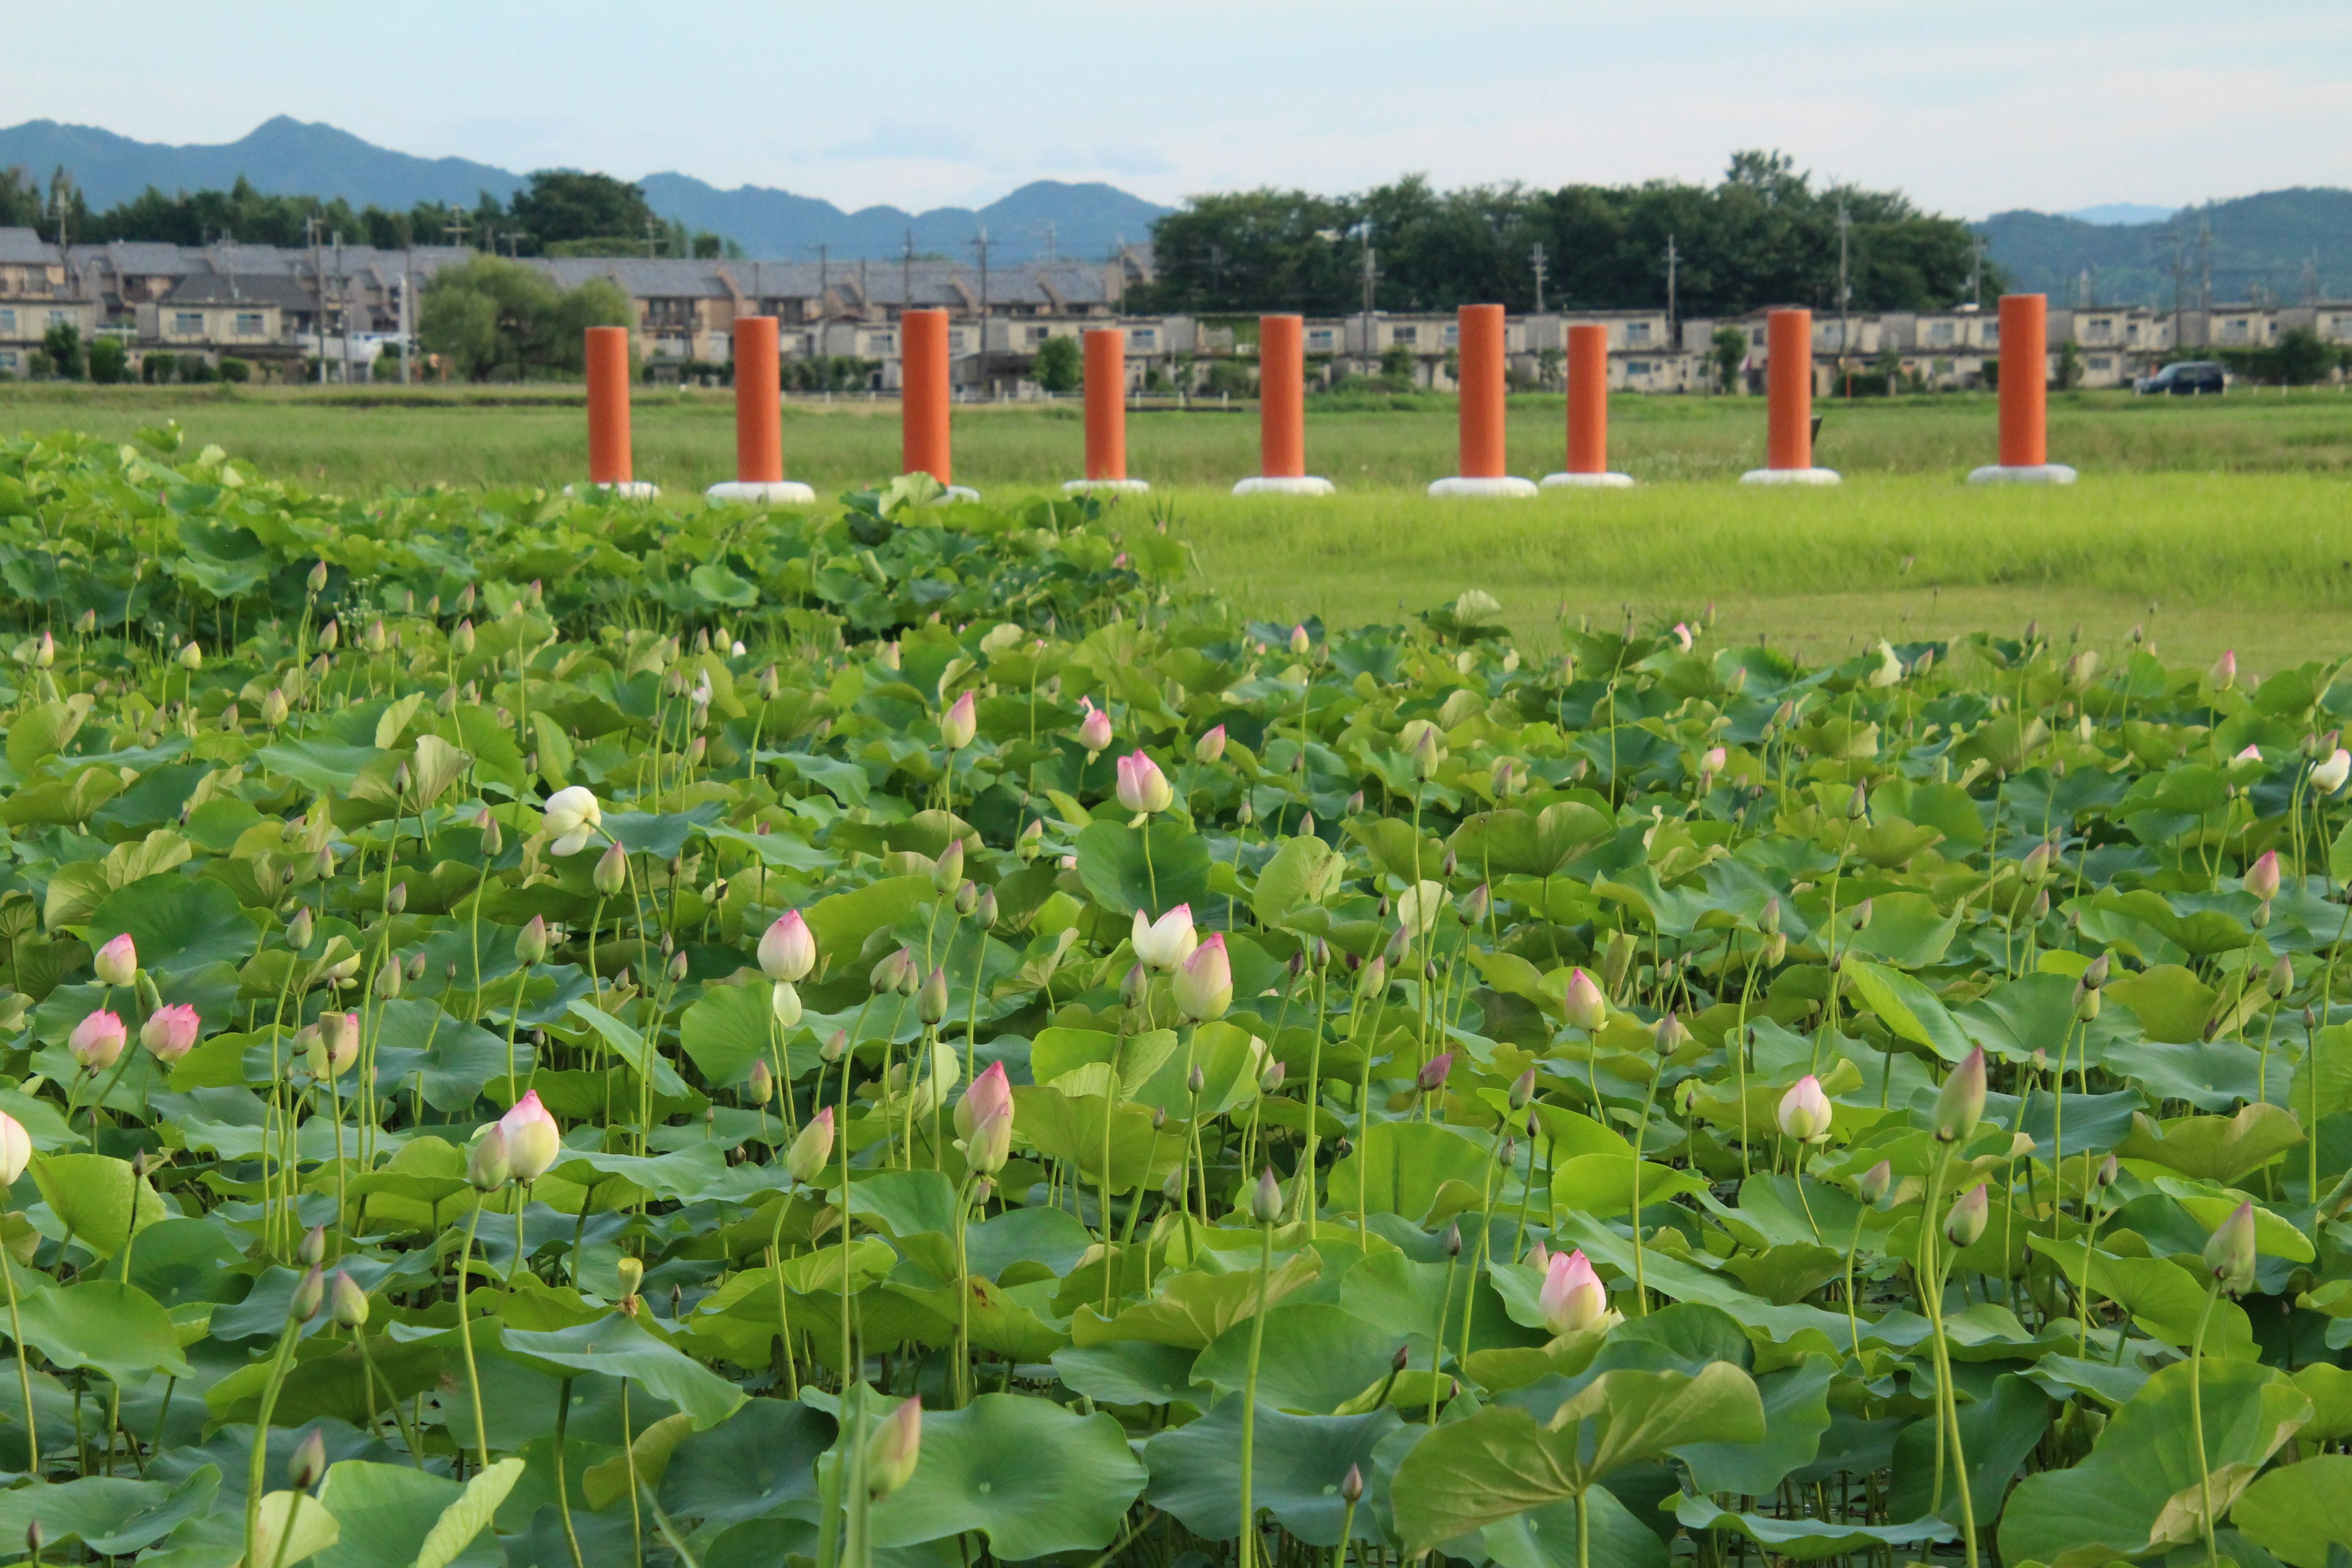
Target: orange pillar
{"points": [[1789, 390], [1282, 397], [1106, 405], [759, 393], [2024, 373], [608, 405], [1479, 356], [1588, 400], [923, 394]]}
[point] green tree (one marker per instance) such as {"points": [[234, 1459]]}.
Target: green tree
{"points": [[1058, 366], [110, 361], [62, 344], [2070, 365], [497, 320], [1397, 365], [1726, 352], [562, 205]]}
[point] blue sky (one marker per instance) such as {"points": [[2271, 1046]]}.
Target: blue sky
{"points": [[1972, 108]]}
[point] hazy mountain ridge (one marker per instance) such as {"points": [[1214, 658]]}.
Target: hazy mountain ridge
{"points": [[2261, 242], [291, 157]]}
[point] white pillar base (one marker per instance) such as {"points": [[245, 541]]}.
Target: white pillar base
{"points": [[1118, 486], [955, 493], [627, 490], [1284, 485], [1501, 486], [1588, 481], [1791, 477], [2023, 474], [761, 492]]}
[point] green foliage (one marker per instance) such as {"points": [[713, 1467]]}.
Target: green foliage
{"points": [[498, 321], [1058, 366], [341, 826]]}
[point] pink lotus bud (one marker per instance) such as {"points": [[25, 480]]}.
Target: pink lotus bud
{"points": [[990, 1093], [1573, 1299], [1805, 1111], [486, 1162], [1960, 1103], [1540, 1256], [991, 1141], [1298, 642], [2225, 671], [1713, 760], [530, 943], [1211, 746], [811, 1148], [1143, 787], [893, 1449], [1683, 637], [533, 1141], [1585, 1006], [1266, 1198], [98, 1040], [788, 948], [2253, 753], [1967, 1220], [338, 1036], [1094, 727], [15, 1149], [1433, 1073], [1166, 942], [170, 1032], [959, 723], [1203, 983], [2229, 1255], [117, 963], [2330, 774], [1873, 1184], [2263, 877]]}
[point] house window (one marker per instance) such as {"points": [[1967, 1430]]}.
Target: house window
{"points": [[1637, 334], [1319, 338], [188, 323], [2101, 361], [1454, 333], [1637, 368], [1939, 332], [59, 318], [1038, 334], [882, 343], [1144, 337], [2103, 328], [249, 323], [955, 343], [2234, 332], [7, 321], [8, 359], [1406, 335]]}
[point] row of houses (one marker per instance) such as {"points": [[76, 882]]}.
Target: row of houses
{"points": [[337, 311]]}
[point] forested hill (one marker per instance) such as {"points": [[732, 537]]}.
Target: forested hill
{"points": [[2279, 245]]}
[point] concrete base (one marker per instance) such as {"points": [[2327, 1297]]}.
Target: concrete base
{"points": [[1117, 487], [762, 492], [1504, 485], [2025, 474], [1588, 481], [956, 492], [1284, 485], [1791, 477], [627, 490]]}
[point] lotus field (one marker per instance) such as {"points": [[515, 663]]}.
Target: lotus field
{"points": [[562, 1032]]}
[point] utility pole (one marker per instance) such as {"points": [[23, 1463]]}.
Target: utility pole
{"points": [[343, 312], [1372, 360], [1975, 271], [318, 290], [1845, 295], [1673, 258], [1536, 259], [407, 313], [653, 244], [455, 227], [980, 243], [907, 278], [2205, 265], [2179, 293], [2311, 278], [1053, 239]]}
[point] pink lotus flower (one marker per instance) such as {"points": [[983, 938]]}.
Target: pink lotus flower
{"points": [[1094, 727], [533, 1141], [1204, 983], [1683, 636], [2253, 753], [1211, 746], [1164, 943], [1573, 1299], [1714, 760], [170, 1032], [1805, 1111], [2225, 671], [15, 1149], [1585, 1006], [1143, 787], [788, 948], [1299, 641], [811, 1149], [990, 1093], [117, 962], [2263, 877], [98, 1040], [959, 723]]}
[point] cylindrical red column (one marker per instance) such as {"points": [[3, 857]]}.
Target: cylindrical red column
{"points": [[923, 394], [1282, 397], [2025, 375], [758, 394], [1106, 404], [608, 405], [1588, 400], [1789, 390], [1479, 378]]}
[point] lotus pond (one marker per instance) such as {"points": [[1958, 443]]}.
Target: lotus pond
{"points": [[554, 1032]]}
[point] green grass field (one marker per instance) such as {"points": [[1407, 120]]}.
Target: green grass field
{"points": [[2229, 518]]}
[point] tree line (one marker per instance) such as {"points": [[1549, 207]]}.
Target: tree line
{"points": [[559, 212], [1764, 235]]}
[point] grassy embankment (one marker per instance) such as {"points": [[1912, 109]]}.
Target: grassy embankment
{"points": [[2231, 518]]}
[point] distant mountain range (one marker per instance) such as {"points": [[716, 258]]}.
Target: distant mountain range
{"points": [[2279, 245], [291, 157]]}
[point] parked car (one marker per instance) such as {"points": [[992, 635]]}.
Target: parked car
{"points": [[2186, 378]]}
